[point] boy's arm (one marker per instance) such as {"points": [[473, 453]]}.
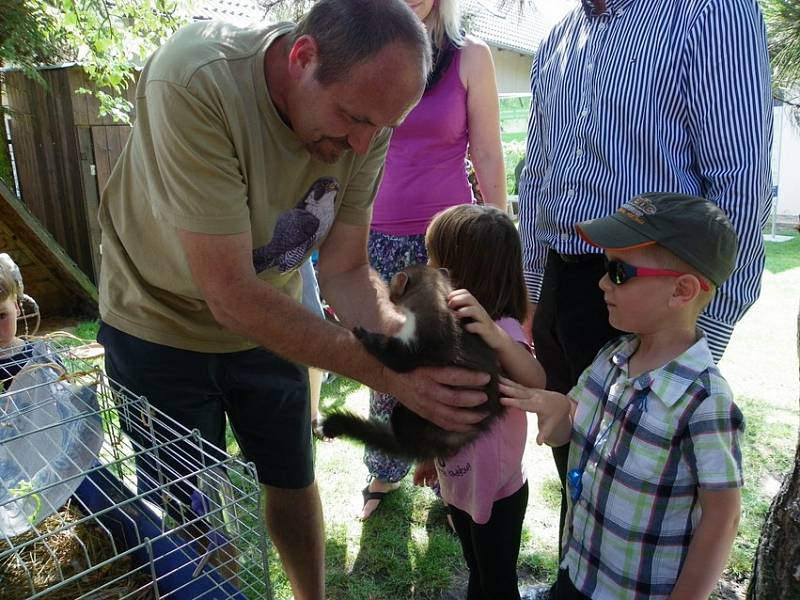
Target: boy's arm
{"points": [[710, 545], [555, 411]]}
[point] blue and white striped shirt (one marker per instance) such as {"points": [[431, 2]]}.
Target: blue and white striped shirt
{"points": [[651, 96]]}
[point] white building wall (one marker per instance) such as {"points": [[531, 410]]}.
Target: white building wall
{"points": [[513, 77], [513, 71], [786, 162]]}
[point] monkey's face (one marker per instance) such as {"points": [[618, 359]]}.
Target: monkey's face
{"points": [[436, 281]]}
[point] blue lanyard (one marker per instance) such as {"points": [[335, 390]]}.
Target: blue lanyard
{"points": [[575, 476]]}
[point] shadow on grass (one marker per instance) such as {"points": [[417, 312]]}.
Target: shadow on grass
{"points": [[405, 550], [336, 575], [383, 553], [442, 541], [768, 453]]}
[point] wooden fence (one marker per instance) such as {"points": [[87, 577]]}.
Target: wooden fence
{"points": [[50, 276], [64, 153]]}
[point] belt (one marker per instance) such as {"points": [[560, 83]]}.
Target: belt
{"points": [[576, 258]]}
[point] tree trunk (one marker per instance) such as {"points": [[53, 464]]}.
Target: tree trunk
{"points": [[776, 570]]}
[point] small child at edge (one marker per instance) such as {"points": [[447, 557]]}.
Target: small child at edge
{"points": [[14, 351]]}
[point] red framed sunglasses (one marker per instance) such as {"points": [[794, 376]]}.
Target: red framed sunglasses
{"points": [[619, 272]]}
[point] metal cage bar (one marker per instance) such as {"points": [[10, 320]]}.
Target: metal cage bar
{"points": [[134, 496]]}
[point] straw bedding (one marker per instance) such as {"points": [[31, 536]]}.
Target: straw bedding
{"points": [[60, 552]]}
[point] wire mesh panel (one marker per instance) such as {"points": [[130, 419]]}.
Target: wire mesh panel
{"points": [[103, 496]]}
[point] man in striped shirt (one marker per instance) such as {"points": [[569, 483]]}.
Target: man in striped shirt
{"points": [[633, 96]]}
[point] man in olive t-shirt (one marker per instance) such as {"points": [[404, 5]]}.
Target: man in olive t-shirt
{"points": [[252, 147]]}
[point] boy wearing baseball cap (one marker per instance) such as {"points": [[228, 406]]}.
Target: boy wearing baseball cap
{"points": [[655, 466]]}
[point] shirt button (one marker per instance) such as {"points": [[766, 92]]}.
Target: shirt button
{"points": [[585, 112], [578, 152], [565, 236], [589, 67]]}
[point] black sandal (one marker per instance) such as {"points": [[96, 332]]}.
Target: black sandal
{"points": [[367, 495]]}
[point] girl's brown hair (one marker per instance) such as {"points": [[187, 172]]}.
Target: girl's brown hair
{"points": [[480, 247]]}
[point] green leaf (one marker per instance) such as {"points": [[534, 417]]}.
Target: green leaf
{"points": [[105, 37], [102, 44]]}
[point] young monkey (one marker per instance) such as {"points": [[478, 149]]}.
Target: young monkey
{"points": [[432, 336]]}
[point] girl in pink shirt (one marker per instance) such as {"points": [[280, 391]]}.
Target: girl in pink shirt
{"points": [[425, 172], [485, 484]]}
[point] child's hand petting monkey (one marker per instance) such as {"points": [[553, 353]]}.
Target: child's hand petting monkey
{"points": [[515, 357], [465, 305]]}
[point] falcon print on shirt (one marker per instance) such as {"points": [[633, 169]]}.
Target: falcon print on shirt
{"points": [[299, 229]]}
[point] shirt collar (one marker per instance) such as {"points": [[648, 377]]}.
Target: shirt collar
{"points": [[613, 7], [680, 372]]}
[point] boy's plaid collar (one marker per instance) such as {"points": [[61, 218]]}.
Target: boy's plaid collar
{"points": [[669, 382]]}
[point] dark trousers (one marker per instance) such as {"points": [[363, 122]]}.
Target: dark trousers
{"points": [[264, 397], [569, 328], [491, 550]]}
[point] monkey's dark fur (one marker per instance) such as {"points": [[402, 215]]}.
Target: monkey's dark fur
{"points": [[433, 337]]}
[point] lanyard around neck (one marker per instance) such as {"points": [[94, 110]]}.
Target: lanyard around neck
{"points": [[594, 433]]}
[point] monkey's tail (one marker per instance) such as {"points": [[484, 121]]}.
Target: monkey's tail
{"points": [[374, 434]]}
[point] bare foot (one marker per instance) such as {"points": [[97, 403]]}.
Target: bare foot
{"points": [[373, 494]]}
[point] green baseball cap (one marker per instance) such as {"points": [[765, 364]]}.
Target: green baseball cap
{"points": [[694, 229]]}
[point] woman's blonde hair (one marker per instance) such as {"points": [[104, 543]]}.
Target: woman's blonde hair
{"points": [[444, 23]]}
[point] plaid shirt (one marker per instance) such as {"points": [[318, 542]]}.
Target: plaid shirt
{"points": [[645, 444]]}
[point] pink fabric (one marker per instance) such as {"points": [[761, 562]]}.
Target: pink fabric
{"points": [[490, 468], [425, 171]]}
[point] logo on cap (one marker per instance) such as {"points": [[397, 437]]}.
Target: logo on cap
{"points": [[637, 208]]}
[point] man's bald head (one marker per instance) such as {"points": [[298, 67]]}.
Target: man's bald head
{"points": [[348, 32]]}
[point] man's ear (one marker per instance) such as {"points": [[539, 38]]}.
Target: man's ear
{"points": [[687, 288], [302, 55]]}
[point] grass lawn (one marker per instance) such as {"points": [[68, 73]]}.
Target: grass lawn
{"points": [[782, 256], [406, 549]]}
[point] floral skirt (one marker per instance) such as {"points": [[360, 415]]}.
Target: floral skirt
{"points": [[388, 255]]}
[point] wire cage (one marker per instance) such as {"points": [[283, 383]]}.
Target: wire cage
{"points": [[29, 316], [103, 496]]}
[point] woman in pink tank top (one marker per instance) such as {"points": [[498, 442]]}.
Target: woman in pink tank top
{"points": [[425, 173]]}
